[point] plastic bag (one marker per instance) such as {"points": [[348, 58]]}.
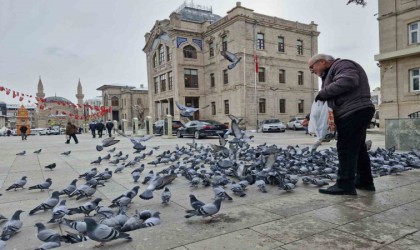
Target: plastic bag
{"points": [[321, 121]]}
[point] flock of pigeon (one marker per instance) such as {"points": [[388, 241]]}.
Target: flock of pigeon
{"points": [[228, 169]]}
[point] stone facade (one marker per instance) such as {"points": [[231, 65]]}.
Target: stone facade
{"points": [[127, 102], [184, 65], [399, 58]]}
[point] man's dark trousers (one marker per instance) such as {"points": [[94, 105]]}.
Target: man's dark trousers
{"points": [[353, 158]]}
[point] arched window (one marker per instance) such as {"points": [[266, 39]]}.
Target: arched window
{"points": [[161, 54], [155, 61], [190, 52], [114, 101]]}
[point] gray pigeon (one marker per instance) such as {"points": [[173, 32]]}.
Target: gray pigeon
{"points": [[97, 161], [231, 58], [79, 226], [51, 166], [18, 184], [12, 226], [106, 143], [209, 209], [70, 188], [59, 211], [54, 243], [42, 186], [45, 234], [103, 233], [157, 183], [112, 150], [85, 208], [187, 111], [48, 204], [21, 153], [195, 203], [166, 196], [152, 221], [132, 223], [38, 151], [66, 153]]}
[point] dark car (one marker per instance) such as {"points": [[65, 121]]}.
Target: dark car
{"points": [[202, 128], [158, 126]]}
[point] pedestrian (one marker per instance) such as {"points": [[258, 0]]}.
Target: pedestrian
{"points": [[71, 131], [23, 130], [109, 125], [100, 128], [9, 132], [305, 123], [92, 128], [345, 87]]}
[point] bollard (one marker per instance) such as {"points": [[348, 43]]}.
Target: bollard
{"points": [[115, 125], [124, 126], [149, 125], [168, 127], [135, 125]]}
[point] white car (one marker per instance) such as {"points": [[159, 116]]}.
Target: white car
{"points": [[295, 123], [272, 125]]}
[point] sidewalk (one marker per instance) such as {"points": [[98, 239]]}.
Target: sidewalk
{"points": [[303, 219]]}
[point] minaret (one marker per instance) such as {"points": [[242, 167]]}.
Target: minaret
{"points": [[40, 93], [80, 97]]}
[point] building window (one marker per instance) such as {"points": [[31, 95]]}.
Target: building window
{"points": [[226, 106], [300, 106], [299, 46], [190, 52], [213, 108], [170, 80], [162, 83], [280, 41], [211, 49], [414, 80], [224, 43], [260, 41], [414, 32], [155, 60], [261, 74], [161, 54], [191, 78], [225, 77], [300, 77], [156, 83], [261, 106], [212, 82], [168, 54], [138, 101], [114, 101], [282, 76], [283, 106]]}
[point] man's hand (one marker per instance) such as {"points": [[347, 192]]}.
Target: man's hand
{"points": [[318, 98]]}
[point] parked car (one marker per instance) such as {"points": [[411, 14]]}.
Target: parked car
{"points": [[272, 125], [158, 126], [35, 131], [202, 128], [295, 123], [375, 120], [50, 131]]}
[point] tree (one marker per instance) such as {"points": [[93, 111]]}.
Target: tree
{"points": [[357, 2]]}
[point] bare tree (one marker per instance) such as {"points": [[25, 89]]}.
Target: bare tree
{"points": [[357, 2]]}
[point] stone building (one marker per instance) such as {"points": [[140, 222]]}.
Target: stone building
{"points": [[399, 57], [127, 102], [184, 65]]}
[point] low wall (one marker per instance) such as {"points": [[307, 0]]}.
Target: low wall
{"points": [[402, 133]]}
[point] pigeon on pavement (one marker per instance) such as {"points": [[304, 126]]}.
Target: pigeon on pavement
{"points": [[66, 153], [47, 235], [12, 226], [21, 153], [18, 184], [85, 208], [209, 209], [70, 188], [106, 143], [48, 204], [103, 233], [51, 166], [59, 211], [42, 186], [152, 221], [195, 203], [79, 226], [157, 183], [38, 151], [166, 196]]}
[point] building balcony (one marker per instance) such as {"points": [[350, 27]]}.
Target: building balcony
{"points": [[398, 54]]}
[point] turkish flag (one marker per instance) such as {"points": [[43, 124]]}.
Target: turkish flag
{"points": [[256, 62]]}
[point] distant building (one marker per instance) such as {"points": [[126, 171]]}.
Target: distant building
{"points": [[399, 57], [376, 97], [12, 112], [127, 102], [184, 64]]}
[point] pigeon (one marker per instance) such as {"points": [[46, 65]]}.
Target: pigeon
{"points": [[73, 238], [136, 174], [195, 204], [21, 153], [261, 185], [18, 184], [103, 211], [219, 192], [53, 243], [152, 221], [38, 151], [107, 157], [42, 186], [132, 223], [119, 168], [209, 209], [148, 177], [88, 192], [368, 144], [51, 166], [166, 196], [12, 226], [48, 204], [156, 148], [188, 111], [70, 188], [90, 173], [231, 58], [85, 208], [59, 211], [66, 153], [97, 161], [103, 233], [106, 143], [47, 235], [112, 150], [79, 226], [130, 193], [237, 189], [157, 183]]}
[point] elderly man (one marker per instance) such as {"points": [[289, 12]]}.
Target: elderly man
{"points": [[345, 87]]}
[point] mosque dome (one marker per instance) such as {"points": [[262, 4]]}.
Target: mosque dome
{"points": [[56, 99]]}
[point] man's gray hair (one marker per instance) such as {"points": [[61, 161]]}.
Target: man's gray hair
{"points": [[325, 57]]}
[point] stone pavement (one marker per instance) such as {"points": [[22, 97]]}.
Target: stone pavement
{"points": [[302, 219]]}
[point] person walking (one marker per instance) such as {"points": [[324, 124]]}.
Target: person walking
{"points": [[71, 131], [109, 125], [345, 87], [100, 128], [23, 130], [92, 128]]}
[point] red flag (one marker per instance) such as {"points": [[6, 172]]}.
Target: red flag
{"points": [[21, 98], [256, 62], [14, 94], [1, 88]]}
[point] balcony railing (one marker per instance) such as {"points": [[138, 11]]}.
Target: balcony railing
{"points": [[414, 115]]}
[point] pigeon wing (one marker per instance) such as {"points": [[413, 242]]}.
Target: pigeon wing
{"points": [[180, 106], [228, 56]]}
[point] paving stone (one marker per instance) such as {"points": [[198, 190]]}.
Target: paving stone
{"points": [[405, 244], [338, 214], [415, 236], [408, 214]]}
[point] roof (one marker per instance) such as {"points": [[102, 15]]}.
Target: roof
{"points": [[196, 13], [107, 86], [57, 99]]}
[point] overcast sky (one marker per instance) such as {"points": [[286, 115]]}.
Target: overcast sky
{"points": [[101, 41]]}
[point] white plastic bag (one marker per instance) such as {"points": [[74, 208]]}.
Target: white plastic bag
{"points": [[321, 121]]}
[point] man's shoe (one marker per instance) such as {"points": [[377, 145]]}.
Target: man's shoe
{"points": [[335, 190], [368, 187]]}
